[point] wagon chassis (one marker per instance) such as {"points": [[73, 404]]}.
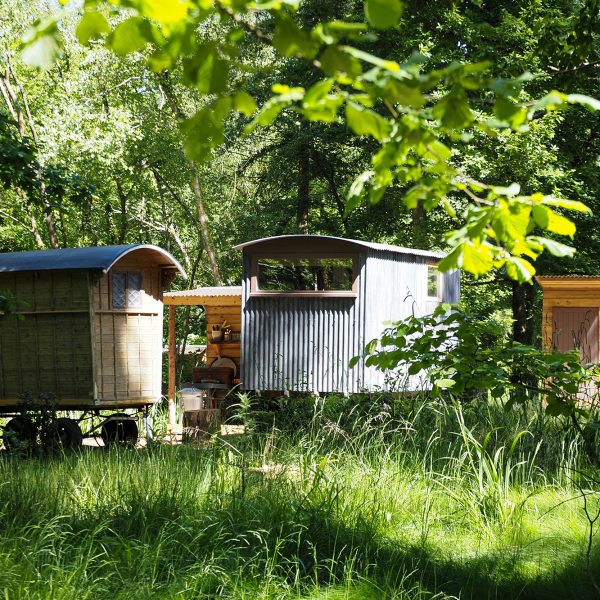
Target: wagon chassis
{"points": [[28, 424]]}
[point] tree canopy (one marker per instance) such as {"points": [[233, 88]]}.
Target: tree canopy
{"points": [[418, 115]]}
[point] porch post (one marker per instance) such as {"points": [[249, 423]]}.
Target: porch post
{"points": [[172, 366]]}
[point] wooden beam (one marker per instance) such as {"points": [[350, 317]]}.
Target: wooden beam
{"points": [[202, 300], [172, 366]]}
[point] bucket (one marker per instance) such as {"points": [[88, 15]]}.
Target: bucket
{"points": [[191, 399]]}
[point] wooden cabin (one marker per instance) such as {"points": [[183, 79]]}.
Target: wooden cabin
{"points": [[570, 311], [307, 305], [91, 328], [310, 303]]}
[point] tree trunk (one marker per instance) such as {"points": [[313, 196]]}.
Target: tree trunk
{"points": [[303, 200], [123, 206], [418, 217], [195, 185], [35, 231], [14, 108], [523, 298], [206, 239]]}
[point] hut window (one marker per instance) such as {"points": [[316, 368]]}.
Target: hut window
{"points": [[434, 281], [305, 274], [127, 289]]}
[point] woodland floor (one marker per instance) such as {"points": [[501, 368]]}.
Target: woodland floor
{"points": [[346, 499]]}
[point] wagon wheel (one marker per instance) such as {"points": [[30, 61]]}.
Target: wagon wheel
{"points": [[19, 434], [63, 434], [119, 429]]}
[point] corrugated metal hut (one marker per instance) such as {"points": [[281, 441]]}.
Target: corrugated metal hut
{"points": [[91, 332], [310, 303], [570, 311]]}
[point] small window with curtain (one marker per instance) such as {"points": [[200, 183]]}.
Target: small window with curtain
{"points": [[127, 289], [434, 283]]}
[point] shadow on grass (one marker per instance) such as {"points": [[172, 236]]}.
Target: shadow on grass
{"points": [[272, 533]]}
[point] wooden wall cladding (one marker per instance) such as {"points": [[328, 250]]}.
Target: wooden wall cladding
{"points": [[216, 315], [49, 351], [128, 342]]}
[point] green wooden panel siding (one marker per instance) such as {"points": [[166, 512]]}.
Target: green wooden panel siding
{"points": [[49, 350]]}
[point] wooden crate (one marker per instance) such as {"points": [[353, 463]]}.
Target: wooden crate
{"points": [[218, 374]]}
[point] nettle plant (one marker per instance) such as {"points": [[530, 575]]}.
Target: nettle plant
{"points": [[419, 118]]}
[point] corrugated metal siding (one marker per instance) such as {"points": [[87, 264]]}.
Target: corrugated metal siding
{"points": [[301, 344], [451, 292], [305, 344], [396, 288]]}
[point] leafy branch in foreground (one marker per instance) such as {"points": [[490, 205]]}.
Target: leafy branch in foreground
{"points": [[419, 119], [461, 355]]}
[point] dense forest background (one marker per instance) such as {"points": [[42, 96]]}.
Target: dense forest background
{"points": [[91, 149]]}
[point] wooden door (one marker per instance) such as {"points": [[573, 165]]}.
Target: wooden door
{"points": [[576, 327]]}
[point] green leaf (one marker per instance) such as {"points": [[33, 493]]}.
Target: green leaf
{"points": [[331, 32], [383, 14], [401, 93], [354, 361], [445, 383], [510, 191], [129, 36], [272, 107], [388, 65], [43, 42], [91, 26], [166, 12], [160, 60], [453, 110], [44, 51], [509, 112], [206, 70], [318, 91], [367, 122], [290, 40], [556, 409], [204, 131], [587, 101], [567, 204], [357, 191], [334, 61], [244, 103], [519, 269], [547, 219], [453, 260], [476, 258], [438, 151], [319, 104], [555, 248], [549, 102]]}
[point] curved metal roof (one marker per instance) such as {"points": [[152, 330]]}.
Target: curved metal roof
{"points": [[93, 257], [282, 239]]}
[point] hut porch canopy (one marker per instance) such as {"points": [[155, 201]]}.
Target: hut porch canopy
{"points": [[205, 296]]}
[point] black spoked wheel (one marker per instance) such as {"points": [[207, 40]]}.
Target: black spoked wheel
{"points": [[19, 434], [63, 434], [120, 430]]}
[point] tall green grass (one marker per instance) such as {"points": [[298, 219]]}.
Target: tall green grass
{"points": [[364, 497]]}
